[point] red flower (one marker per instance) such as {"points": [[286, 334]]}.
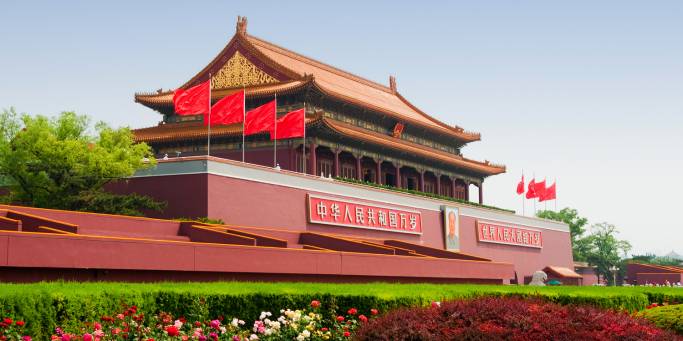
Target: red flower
{"points": [[374, 311], [7, 320], [315, 304], [172, 331], [352, 311], [362, 318], [20, 323], [340, 318], [197, 324], [347, 334], [324, 329]]}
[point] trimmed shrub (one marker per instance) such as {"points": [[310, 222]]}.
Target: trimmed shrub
{"points": [[667, 317], [509, 319]]}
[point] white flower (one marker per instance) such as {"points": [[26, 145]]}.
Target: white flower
{"points": [[300, 338], [306, 333], [240, 322], [263, 315], [253, 337], [234, 322], [178, 324]]}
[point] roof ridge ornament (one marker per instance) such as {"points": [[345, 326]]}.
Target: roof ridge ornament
{"points": [[241, 25], [392, 84]]}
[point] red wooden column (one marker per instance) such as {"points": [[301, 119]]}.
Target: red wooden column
{"points": [[313, 166], [359, 167], [438, 184], [453, 187], [422, 181], [398, 176], [336, 162], [378, 178], [481, 192]]}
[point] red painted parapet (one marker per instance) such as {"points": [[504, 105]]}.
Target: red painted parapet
{"points": [[33, 223], [341, 244], [433, 252], [8, 224]]}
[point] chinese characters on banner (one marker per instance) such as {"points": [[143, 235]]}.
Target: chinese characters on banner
{"points": [[510, 235], [333, 211]]}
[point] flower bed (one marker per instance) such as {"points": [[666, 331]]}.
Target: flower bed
{"points": [[65, 304], [509, 319], [131, 324]]}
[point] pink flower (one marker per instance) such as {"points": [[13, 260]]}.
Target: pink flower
{"points": [[215, 324], [120, 316], [362, 318], [374, 311], [87, 337], [436, 304], [66, 337], [315, 304], [98, 326], [340, 318], [352, 311], [26, 338]]}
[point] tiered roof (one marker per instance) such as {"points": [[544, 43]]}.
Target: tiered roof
{"points": [[284, 71], [286, 66]]}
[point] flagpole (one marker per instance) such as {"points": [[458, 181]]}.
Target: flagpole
{"points": [[244, 117], [555, 183], [208, 137], [275, 134], [523, 195], [303, 145], [534, 199]]}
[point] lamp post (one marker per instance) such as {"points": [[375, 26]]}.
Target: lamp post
{"points": [[614, 270]]}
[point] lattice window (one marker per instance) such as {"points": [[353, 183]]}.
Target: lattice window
{"points": [[325, 167], [348, 171]]}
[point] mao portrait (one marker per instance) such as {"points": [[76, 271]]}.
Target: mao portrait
{"points": [[451, 223]]}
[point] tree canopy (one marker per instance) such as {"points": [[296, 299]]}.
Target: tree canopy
{"points": [[577, 228], [56, 163], [600, 248]]}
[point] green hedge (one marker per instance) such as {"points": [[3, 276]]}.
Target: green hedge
{"points": [[667, 317], [47, 305]]}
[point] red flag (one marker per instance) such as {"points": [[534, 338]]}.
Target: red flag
{"points": [[230, 109], [290, 125], [550, 193], [531, 190], [539, 188], [260, 119], [520, 186], [193, 101]]}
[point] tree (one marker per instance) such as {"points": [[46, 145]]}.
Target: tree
{"points": [[54, 163], [604, 249], [653, 259], [576, 224]]}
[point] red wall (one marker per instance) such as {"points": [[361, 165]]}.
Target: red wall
{"points": [[254, 204]]}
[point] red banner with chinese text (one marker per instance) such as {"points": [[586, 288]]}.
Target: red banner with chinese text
{"points": [[510, 235], [339, 212]]}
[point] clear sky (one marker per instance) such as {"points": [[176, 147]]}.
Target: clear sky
{"points": [[586, 92]]}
